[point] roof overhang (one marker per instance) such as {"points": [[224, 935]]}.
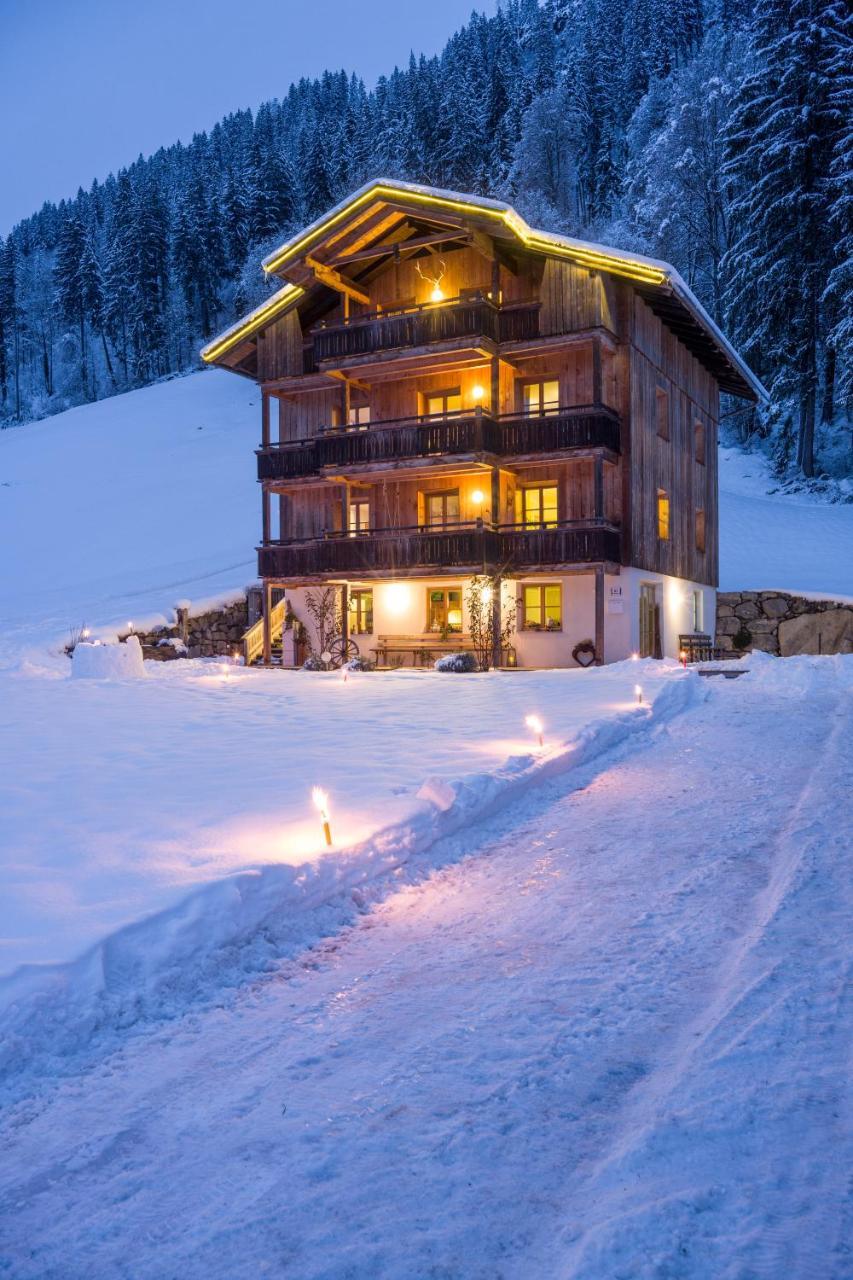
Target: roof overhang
{"points": [[379, 204]]}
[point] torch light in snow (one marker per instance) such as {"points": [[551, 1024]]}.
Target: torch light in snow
{"points": [[85, 633], [130, 628], [635, 657], [683, 657], [536, 726], [639, 692], [321, 800]]}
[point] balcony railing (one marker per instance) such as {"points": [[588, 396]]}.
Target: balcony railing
{"points": [[583, 426], [474, 547], [418, 326]]}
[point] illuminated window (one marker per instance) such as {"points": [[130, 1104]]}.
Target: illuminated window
{"points": [[700, 530], [699, 442], [444, 610], [663, 515], [542, 607], [361, 612], [662, 413], [442, 403], [359, 517], [541, 397], [539, 507], [359, 415], [442, 508]]}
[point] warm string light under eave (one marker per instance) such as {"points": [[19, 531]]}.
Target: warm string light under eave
{"points": [[321, 802]]}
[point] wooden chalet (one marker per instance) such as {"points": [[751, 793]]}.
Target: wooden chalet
{"points": [[448, 393]]}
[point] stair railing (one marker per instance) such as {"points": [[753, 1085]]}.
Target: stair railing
{"points": [[253, 640]]}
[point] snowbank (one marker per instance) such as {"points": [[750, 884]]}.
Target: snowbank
{"points": [[108, 661], [237, 925]]}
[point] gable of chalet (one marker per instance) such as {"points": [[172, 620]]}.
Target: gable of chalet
{"points": [[384, 221]]}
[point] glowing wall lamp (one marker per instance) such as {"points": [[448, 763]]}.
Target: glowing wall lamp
{"points": [[478, 395], [397, 597]]}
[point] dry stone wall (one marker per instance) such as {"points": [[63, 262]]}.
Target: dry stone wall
{"points": [[783, 624], [213, 634]]}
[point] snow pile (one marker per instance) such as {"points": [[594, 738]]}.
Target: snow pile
{"points": [[98, 661], [236, 925]]}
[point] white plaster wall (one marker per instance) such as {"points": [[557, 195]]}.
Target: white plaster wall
{"points": [[400, 608]]}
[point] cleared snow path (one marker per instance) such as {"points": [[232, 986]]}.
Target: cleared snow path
{"points": [[608, 1045]]}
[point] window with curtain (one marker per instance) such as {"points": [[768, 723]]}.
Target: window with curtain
{"points": [[542, 607], [444, 609]]}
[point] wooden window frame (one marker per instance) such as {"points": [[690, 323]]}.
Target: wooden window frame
{"points": [[353, 421], [700, 530], [662, 423], [429, 495], [524, 383], [523, 490], [446, 628], [361, 611], [664, 515], [441, 395], [540, 588], [699, 442], [355, 528]]}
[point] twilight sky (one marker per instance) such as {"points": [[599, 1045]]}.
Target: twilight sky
{"points": [[86, 85]]}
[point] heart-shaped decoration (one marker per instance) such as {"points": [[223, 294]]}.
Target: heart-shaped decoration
{"points": [[584, 653]]}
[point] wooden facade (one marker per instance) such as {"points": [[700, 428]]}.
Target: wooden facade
{"points": [[436, 385]]}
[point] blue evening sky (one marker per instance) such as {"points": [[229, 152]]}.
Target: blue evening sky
{"points": [[86, 85]]}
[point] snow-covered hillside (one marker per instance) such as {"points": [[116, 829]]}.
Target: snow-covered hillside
{"points": [[116, 510]]}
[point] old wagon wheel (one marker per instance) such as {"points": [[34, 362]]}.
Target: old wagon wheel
{"points": [[340, 651]]}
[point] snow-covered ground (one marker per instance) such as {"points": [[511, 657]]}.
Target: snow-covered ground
{"points": [[604, 1039], [120, 796]]}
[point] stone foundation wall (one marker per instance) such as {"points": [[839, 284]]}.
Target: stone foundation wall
{"points": [[782, 624], [214, 634]]}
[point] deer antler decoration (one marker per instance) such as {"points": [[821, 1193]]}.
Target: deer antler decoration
{"points": [[437, 294]]}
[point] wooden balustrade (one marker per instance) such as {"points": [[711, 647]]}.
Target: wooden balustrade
{"points": [[253, 640], [586, 426], [473, 547], [419, 326]]}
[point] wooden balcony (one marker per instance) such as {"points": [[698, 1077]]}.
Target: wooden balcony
{"points": [[420, 326], [580, 427], [470, 548]]}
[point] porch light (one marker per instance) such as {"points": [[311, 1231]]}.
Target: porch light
{"points": [[639, 692], [397, 597], [536, 726], [479, 394], [321, 801], [437, 294], [478, 497]]}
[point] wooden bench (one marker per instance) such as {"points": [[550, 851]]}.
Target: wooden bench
{"points": [[699, 647], [424, 650]]}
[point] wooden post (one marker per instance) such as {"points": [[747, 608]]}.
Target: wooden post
{"points": [[267, 623], [496, 497], [495, 389], [265, 516], [345, 616], [345, 508], [496, 620], [596, 372], [599, 487], [265, 419], [496, 282], [599, 615]]}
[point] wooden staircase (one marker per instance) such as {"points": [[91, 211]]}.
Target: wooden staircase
{"points": [[253, 640]]}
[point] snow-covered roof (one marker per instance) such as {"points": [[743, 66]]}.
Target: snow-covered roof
{"points": [[656, 280]]}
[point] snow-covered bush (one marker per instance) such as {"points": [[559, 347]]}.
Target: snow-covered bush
{"points": [[457, 662], [360, 664], [313, 663]]}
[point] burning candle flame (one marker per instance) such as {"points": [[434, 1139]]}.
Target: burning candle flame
{"points": [[639, 692], [536, 726], [321, 800]]}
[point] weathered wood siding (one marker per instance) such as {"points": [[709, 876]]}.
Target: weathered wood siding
{"points": [[280, 348], [658, 361]]}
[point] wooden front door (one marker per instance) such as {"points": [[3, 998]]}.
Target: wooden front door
{"points": [[650, 637]]}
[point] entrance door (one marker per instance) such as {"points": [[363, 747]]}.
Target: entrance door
{"points": [[650, 639]]}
